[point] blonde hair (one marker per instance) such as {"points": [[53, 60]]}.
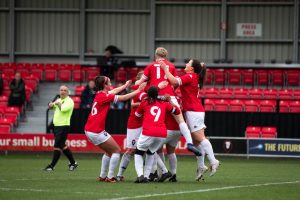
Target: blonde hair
{"points": [[161, 52]]}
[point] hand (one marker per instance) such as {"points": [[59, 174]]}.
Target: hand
{"points": [[163, 65], [163, 84], [57, 102], [167, 97], [128, 83], [142, 86], [51, 104], [202, 64]]}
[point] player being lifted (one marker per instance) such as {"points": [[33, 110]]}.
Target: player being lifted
{"points": [[194, 111], [155, 75]]}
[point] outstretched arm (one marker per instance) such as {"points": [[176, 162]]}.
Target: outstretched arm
{"points": [[131, 94], [171, 78], [121, 88]]}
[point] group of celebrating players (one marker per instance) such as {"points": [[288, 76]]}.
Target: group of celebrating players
{"points": [[155, 119]]}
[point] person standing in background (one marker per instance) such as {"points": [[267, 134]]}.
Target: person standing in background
{"points": [[88, 95], [63, 109]]}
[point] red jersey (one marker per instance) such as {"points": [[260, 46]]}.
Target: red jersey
{"points": [[189, 89], [171, 123], [97, 117], [133, 121], [155, 74], [154, 117]]}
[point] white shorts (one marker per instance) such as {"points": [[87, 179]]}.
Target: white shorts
{"points": [[133, 137], [97, 138], [150, 143], [195, 120], [173, 138]]}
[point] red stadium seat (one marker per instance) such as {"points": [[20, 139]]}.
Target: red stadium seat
{"points": [[4, 129], [31, 82], [296, 94], [248, 77], [24, 72], [4, 122], [51, 72], [251, 105], [92, 72], [277, 77], [77, 101], [79, 89], [268, 132], [240, 93], [219, 77], [262, 77], [209, 77], [267, 106], [9, 72], [226, 93], [270, 93], [221, 105], [64, 75], [236, 105], [255, 93], [132, 72], [295, 106], [253, 132], [37, 70], [211, 92], [121, 75], [284, 106], [78, 74], [292, 77], [209, 104], [180, 71], [3, 100], [285, 94], [234, 76]]}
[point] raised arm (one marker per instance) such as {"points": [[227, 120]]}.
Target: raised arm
{"points": [[131, 94], [171, 78], [121, 88]]}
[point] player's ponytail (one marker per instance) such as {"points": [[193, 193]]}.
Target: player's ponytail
{"points": [[152, 93], [199, 69], [100, 81]]}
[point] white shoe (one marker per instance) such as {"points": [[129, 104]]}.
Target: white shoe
{"points": [[214, 168], [200, 172]]}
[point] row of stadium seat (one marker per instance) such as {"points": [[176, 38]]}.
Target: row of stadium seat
{"points": [[260, 132], [238, 105], [9, 118], [76, 72], [250, 93], [251, 77]]}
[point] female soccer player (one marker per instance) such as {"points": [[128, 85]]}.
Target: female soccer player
{"points": [[153, 134], [194, 111], [134, 129], [155, 75], [95, 126]]}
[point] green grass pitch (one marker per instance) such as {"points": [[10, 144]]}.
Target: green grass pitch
{"points": [[22, 177]]}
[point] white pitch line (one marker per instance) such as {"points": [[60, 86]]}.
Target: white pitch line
{"points": [[204, 190]]}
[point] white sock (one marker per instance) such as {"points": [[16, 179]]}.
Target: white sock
{"points": [[124, 163], [162, 156], [161, 165], [206, 145], [138, 163], [173, 163], [154, 166], [148, 165], [114, 161], [104, 166], [200, 159], [185, 131]]}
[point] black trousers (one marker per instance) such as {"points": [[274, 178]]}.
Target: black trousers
{"points": [[60, 134]]}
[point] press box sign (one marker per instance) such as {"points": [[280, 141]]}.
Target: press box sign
{"points": [[248, 29]]}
